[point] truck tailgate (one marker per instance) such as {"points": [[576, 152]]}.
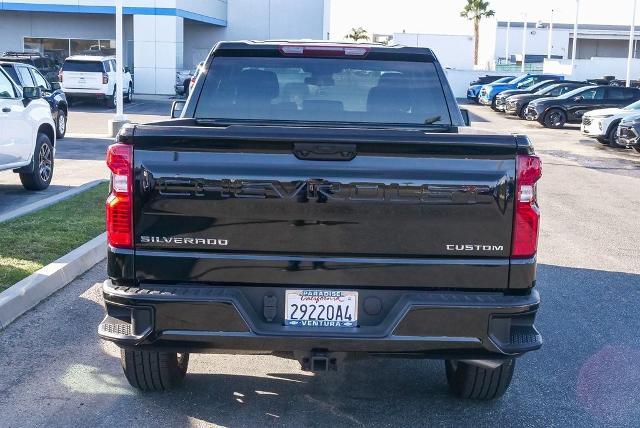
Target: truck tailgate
{"points": [[302, 206]]}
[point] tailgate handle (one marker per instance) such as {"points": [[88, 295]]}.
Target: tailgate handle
{"points": [[329, 152]]}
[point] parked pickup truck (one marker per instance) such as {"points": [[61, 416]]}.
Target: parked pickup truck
{"points": [[322, 202]]}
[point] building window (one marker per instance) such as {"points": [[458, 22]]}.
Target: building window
{"points": [[55, 49], [92, 47], [59, 49]]}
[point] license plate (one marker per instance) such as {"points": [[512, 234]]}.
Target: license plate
{"points": [[321, 308]]}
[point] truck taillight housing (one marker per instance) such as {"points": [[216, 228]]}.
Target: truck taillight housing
{"points": [[60, 75], [105, 78], [526, 221], [120, 201]]}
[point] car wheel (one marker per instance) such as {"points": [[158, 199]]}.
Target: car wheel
{"points": [[555, 119], [112, 100], [40, 177], [493, 104], [479, 383], [522, 112], [636, 148], [153, 371], [602, 140], [612, 137], [61, 124], [129, 97]]}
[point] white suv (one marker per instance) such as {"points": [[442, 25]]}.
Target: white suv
{"points": [[27, 134], [93, 78], [602, 124]]}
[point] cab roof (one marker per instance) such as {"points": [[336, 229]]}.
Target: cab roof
{"points": [[315, 47]]}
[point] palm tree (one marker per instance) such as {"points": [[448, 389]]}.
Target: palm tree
{"points": [[474, 11], [357, 34]]}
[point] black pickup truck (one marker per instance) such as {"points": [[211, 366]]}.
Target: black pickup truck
{"points": [[322, 202]]}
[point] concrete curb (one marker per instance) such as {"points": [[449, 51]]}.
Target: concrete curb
{"points": [[26, 294], [43, 203]]}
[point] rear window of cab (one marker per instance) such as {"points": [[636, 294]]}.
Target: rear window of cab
{"points": [[330, 90]]}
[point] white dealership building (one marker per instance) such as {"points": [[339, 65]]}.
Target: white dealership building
{"points": [[161, 36]]}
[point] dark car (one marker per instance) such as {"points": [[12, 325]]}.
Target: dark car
{"points": [[569, 107], [46, 66], [516, 104], [501, 98], [25, 75], [289, 212], [474, 87], [483, 80]]}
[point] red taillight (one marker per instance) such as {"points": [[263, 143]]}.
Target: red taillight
{"points": [[323, 50], [60, 76], [192, 83], [120, 201], [527, 214], [105, 78]]}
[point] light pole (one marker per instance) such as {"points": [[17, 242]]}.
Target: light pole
{"points": [[119, 119], [575, 37], [506, 48], [632, 36], [524, 42], [550, 36], [119, 62]]}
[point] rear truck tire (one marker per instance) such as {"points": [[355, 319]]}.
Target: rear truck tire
{"points": [[61, 124], [40, 177], [636, 148], [612, 136], [128, 98], [555, 118], [111, 100], [479, 383], [602, 140], [153, 371]]}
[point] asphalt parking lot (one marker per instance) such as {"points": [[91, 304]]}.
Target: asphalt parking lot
{"points": [[80, 155], [55, 372]]}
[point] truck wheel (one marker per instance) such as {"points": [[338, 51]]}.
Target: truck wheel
{"points": [[602, 140], [153, 371], [112, 100], [129, 96], [43, 160], [636, 148], [61, 124], [467, 381], [555, 119]]}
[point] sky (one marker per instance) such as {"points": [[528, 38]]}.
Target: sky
{"points": [[443, 16]]}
